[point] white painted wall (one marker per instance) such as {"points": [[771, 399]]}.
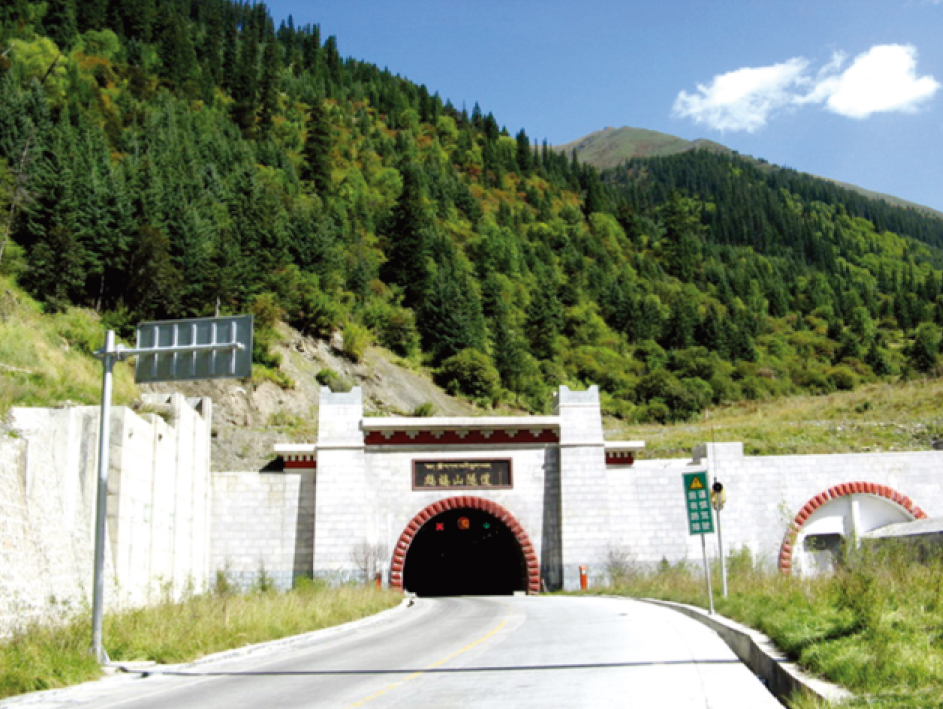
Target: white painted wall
{"points": [[263, 522], [764, 495]]}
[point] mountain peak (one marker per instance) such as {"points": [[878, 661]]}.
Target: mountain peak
{"points": [[611, 147]]}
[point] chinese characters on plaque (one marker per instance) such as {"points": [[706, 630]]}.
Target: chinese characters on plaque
{"points": [[461, 474]]}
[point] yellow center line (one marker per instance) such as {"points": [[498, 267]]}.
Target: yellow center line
{"points": [[441, 662]]}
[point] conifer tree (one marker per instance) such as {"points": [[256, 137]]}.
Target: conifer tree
{"points": [[409, 239], [317, 149], [91, 14], [60, 22], [450, 318], [179, 65], [922, 354], [544, 319], [525, 158], [245, 84], [269, 90]]}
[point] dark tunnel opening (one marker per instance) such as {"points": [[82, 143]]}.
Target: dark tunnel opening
{"points": [[464, 552]]}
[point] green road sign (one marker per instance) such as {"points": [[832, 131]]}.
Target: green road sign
{"points": [[697, 499]]}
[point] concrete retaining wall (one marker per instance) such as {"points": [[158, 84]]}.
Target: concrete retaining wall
{"points": [[158, 514]]}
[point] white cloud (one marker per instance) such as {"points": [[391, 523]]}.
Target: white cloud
{"points": [[882, 79], [742, 99]]}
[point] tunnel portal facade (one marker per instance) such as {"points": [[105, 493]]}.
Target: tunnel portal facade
{"points": [[512, 504], [460, 505]]}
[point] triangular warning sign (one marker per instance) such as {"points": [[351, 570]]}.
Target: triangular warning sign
{"points": [[696, 484]]}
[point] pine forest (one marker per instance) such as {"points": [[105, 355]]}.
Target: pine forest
{"points": [[165, 158]]}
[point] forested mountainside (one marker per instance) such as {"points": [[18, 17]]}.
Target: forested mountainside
{"points": [[163, 159]]}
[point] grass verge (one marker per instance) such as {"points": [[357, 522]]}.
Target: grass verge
{"points": [[47, 360], [46, 657], [898, 416], [874, 627]]}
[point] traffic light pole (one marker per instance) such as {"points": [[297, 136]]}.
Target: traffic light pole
{"points": [[723, 561], [720, 497]]}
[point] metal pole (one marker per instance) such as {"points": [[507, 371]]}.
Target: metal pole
{"points": [[720, 543], [707, 574], [720, 549], [101, 513]]}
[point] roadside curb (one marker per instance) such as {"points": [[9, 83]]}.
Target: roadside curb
{"points": [[782, 676]]}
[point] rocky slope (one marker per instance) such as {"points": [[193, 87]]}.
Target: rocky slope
{"points": [[249, 418]]}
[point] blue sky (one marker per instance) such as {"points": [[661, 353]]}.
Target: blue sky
{"points": [[846, 89]]}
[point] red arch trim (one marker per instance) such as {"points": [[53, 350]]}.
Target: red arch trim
{"points": [[861, 488], [475, 503]]}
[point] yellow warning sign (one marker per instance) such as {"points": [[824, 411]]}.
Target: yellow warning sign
{"points": [[696, 483]]}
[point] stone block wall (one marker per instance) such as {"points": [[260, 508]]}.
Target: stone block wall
{"points": [[172, 525], [263, 522], [585, 512]]}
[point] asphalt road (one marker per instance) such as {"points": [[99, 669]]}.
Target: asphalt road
{"points": [[495, 652]]}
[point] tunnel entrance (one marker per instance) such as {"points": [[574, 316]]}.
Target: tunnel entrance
{"points": [[465, 552]]}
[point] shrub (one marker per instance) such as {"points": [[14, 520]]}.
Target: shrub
{"points": [[651, 354], [471, 373], [356, 341], [263, 339], [922, 352], [395, 328], [842, 378], [424, 410], [334, 381], [266, 311], [724, 389], [316, 313], [656, 411], [604, 367]]}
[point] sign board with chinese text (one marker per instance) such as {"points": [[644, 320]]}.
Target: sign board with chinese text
{"points": [[697, 501], [461, 474]]}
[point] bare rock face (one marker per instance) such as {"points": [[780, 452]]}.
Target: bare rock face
{"points": [[250, 417]]}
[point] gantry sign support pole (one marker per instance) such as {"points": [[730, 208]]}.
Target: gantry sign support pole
{"points": [[108, 357], [201, 336]]}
